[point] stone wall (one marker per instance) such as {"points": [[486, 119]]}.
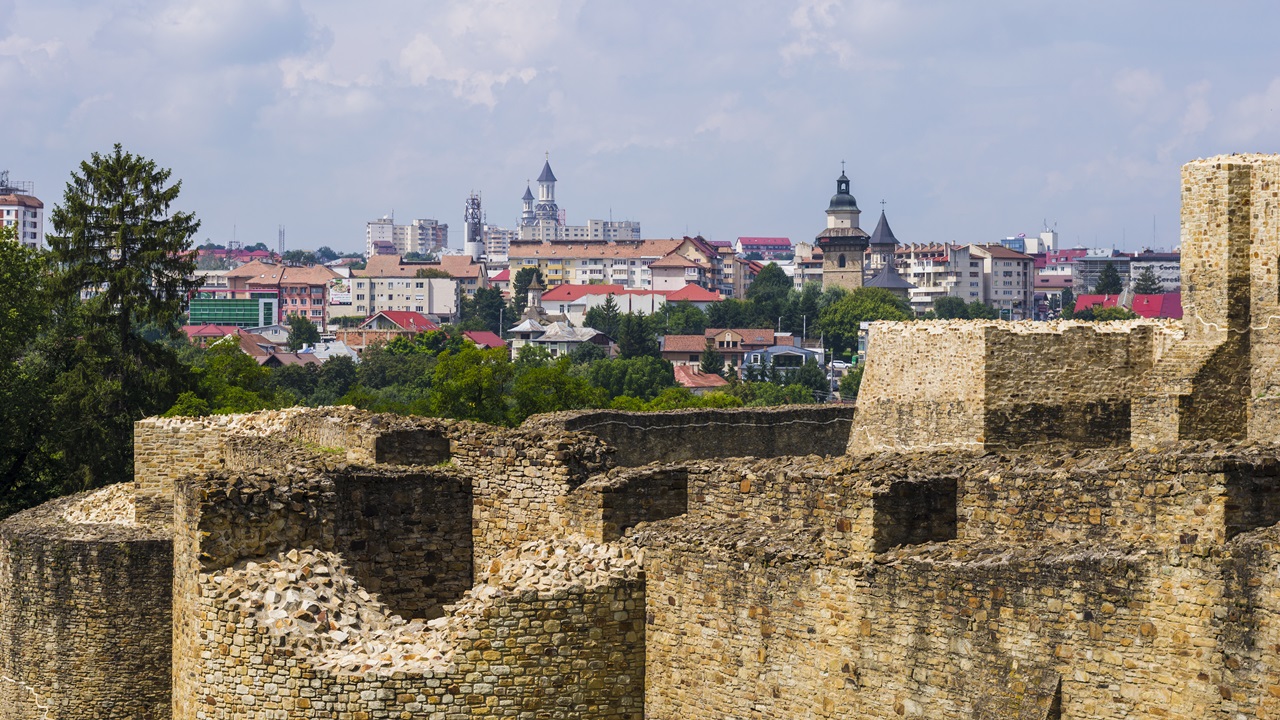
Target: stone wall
{"points": [[84, 613], [607, 506], [972, 384], [640, 438]]}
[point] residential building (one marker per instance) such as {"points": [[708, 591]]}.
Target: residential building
{"points": [[560, 338], [502, 281], [422, 236], [808, 264], [384, 326], [769, 248], [783, 358], [1085, 271], [542, 220], [940, 270], [22, 211], [497, 242], [1167, 267], [1163, 306], [732, 343], [304, 291], [696, 381], [389, 283], [620, 263], [843, 244], [574, 301], [1007, 278], [484, 339], [1057, 268]]}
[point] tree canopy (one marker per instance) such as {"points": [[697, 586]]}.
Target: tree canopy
{"points": [[1109, 282], [301, 332], [1146, 283], [841, 320]]}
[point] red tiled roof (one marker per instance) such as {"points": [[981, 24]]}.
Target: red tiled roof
{"points": [[693, 293], [1088, 301], [691, 377], [504, 276], [570, 293], [406, 319], [674, 260], [207, 331], [750, 336], [764, 241], [1052, 282], [1003, 253], [684, 343], [484, 338], [1164, 305]]}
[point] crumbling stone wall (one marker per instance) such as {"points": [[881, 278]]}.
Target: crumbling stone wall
{"points": [[640, 438], [607, 506], [973, 384], [84, 605]]}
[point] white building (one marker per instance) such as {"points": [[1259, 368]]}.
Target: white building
{"points": [[22, 211], [940, 270], [542, 220], [1007, 280], [422, 236], [497, 242]]}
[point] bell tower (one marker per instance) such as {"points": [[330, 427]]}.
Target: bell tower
{"points": [[843, 243]]}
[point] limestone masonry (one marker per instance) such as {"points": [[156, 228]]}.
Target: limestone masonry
{"points": [[1049, 520]]}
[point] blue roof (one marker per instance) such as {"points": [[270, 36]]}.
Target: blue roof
{"points": [[883, 234], [528, 194], [547, 175]]}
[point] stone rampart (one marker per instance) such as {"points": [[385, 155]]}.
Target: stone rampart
{"points": [[640, 438], [972, 384], [85, 611]]}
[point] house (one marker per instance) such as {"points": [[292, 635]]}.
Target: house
{"points": [[304, 292], [560, 338], [524, 333], [1007, 280], [203, 335], [384, 326], [280, 359], [784, 358], [1095, 302], [699, 297], [389, 283], [1163, 306], [574, 301], [696, 381], [484, 339], [502, 281], [323, 351], [732, 343]]}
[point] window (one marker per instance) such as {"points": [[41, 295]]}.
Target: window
{"points": [[360, 297], [418, 285], [755, 358], [693, 358], [315, 313], [418, 308]]}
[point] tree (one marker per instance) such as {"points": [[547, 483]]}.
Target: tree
{"points": [[301, 332], [850, 382], [811, 376], [635, 339], [978, 310], [1113, 313], [680, 318], [552, 387], [121, 259], [586, 353], [841, 321], [642, 377], [484, 311], [1068, 304], [298, 257], [732, 314], [1147, 283], [712, 361], [431, 272], [326, 254], [604, 318], [335, 378], [520, 288], [1109, 281], [948, 307], [472, 384]]}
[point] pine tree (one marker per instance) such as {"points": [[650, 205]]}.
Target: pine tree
{"points": [[604, 318], [634, 338], [1147, 283], [712, 360], [1068, 304], [1109, 281]]}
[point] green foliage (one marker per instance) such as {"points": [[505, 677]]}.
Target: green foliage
{"points": [[635, 338], [532, 356], [712, 362], [841, 320], [604, 317], [326, 254], [301, 332], [1109, 281], [850, 382], [298, 257], [472, 384], [520, 288], [1112, 314], [948, 308], [812, 376], [1068, 304], [552, 387], [732, 314], [293, 384], [978, 310], [585, 353], [382, 366], [432, 272], [770, 291], [1146, 283], [763, 394], [484, 311], [642, 377], [336, 377], [680, 318]]}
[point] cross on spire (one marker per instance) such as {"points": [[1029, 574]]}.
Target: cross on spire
{"points": [[882, 206], [841, 167]]}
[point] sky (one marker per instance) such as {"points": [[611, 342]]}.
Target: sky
{"points": [[971, 121]]}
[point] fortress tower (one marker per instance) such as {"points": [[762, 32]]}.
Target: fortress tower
{"points": [[843, 243]]}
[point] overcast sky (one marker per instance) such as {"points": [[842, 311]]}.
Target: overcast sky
{"points": [[971, 120]]}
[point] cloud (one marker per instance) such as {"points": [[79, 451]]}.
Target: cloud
{"points": [[853, 32], [1256, 116]]}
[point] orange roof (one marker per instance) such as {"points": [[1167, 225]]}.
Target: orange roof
{"points": [[691, 377], [484, 338], [570, 293], [405, 319], [504, 276], [684, 343], [674, 260], [309, 275], [642, 249], [21, 200], [262, 272], [1003, 253], [750, 336], [460, 266], [693, 293], [382, 266]]}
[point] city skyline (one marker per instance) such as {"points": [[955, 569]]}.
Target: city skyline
{"points": [[971, 123]]}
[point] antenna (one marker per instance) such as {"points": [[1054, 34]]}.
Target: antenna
{"points": [[281, 239]]}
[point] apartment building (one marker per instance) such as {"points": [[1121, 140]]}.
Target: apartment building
{"points": [[22, 211], [940, 270], [1007, 280]]}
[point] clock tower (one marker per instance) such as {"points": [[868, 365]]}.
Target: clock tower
{"points": [[843, 243]]}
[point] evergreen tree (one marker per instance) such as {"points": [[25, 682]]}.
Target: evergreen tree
{"points": [[122, 260], [977, 310], [520, 288], [950, 308], [1147, 283], [1068, 304], [635, 339], [812, 376], [1109, 281], [712, 361], [484, 311], [604, 318]]}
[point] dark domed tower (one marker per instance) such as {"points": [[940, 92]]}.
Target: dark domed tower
{"points": [[843, 243]]}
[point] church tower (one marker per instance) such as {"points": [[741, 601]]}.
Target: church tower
{"points": [[526, 212], [843, 243]]}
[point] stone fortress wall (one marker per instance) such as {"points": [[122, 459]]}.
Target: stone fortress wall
{"points": [[1006, 536]]}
